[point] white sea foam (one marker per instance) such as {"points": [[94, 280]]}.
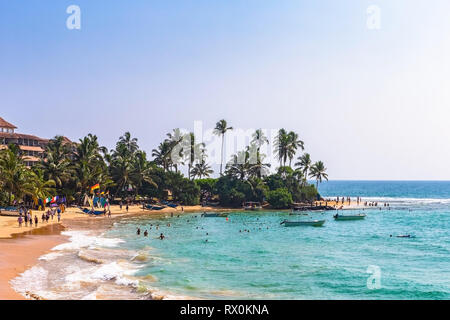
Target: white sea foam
{"points": [[51, 256], [34, 280], [119, 272], [411, 201], [82, 239]]}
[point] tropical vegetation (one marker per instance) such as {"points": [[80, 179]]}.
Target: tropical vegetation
{"points": [[125, 172]]}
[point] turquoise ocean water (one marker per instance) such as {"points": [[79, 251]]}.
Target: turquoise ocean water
{"points": [[275, 262]]}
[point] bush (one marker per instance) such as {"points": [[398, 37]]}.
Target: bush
{"points": [[280, 198], [207, 185], [233, 192]]}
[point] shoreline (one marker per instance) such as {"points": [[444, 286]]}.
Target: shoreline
{"points": [[22, 251], [20, 248]]}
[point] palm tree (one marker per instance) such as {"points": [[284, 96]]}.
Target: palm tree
{"points": [[201, 169], [42, 188], [304, 163], [162, 155], [56, 164], [178, 144], [293, 143], [141, 171], [130, 143], [196, 151], [220, 130], [281, 146], [89, 164], [259, 139], [239, 165], [16, 178], [317, 171], [120, 169]]}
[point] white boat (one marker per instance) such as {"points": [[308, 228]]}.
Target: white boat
{"points": [[313, 223], [214, 215], [338, 216]]}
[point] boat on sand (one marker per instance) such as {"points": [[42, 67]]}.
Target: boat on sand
{"points": [[250, 205]]}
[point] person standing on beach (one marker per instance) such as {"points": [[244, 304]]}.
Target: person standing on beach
{"points": [[59, 216], [127, 207], [20, 221], [36, 220]]}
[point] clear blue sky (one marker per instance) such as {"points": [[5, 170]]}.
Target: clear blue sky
{"points": [[372, 104]]}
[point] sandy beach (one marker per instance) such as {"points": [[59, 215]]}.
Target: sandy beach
{"points": [[21, 247], [21, 251]]}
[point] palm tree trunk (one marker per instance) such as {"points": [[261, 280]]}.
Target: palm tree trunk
{"points": [[221, 154]]}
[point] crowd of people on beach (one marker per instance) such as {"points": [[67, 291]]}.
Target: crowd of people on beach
{"points": [[348, 201], [26, 216]]}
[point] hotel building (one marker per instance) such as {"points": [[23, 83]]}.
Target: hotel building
{"points": [[32, 147]]}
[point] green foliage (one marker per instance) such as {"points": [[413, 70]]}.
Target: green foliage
{"points": [[280, 198], [207, 185], [233, 192], [183, 190], [70, 169]]}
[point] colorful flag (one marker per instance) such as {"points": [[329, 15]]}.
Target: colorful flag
{"points": [[95, 187]]}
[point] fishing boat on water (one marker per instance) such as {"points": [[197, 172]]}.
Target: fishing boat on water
{"points": [[250, 205], [338, 216], [312, 223], [214, 215]]}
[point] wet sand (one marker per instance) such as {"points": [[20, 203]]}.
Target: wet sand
{"points": [[22, 251]]}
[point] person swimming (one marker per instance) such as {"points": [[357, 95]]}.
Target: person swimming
{"points": [[145, 233], [138, 231], [161, 236]]}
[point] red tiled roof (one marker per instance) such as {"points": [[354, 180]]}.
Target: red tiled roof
{"points": [[21, 136], [66, 140], [31, 148], [6, 124]]}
